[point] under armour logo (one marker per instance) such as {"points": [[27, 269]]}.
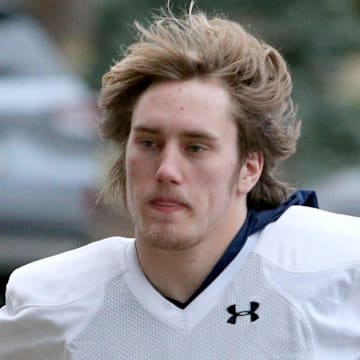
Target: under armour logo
{"points": [[253, 316]]}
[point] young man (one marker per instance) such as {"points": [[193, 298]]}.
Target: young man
{"points": [[224, 265]]}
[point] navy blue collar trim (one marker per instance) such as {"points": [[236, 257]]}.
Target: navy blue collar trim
{"points": [[255, 221]]}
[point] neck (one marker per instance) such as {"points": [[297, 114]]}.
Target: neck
{"points": [[177, 274]]}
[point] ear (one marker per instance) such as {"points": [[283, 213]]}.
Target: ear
{"points": [[250, 172]]}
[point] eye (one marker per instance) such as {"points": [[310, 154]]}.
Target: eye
{"points": [[148, 143], [196, 148]]}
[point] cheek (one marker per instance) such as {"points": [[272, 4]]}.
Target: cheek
{"points": [[133, 183], [138, 172], [210, 180], [219, 181], [132, 166], [133, 163], [218, 173]]}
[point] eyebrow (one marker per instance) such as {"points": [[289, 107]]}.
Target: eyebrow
{"points": [[193, 134]]}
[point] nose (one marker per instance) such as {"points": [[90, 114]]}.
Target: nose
{"points": [[169, 167]]}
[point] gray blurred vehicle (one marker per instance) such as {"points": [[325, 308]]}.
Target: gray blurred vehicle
{"points": [[47, 182], [48, 144], [341, 192]]}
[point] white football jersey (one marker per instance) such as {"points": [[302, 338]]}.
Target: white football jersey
{"points": [[293, 292]]}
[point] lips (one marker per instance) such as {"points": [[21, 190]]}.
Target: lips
{"points": [[167, 204]]}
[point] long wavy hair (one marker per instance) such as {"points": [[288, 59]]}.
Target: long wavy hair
{"points": [[196, 45]]}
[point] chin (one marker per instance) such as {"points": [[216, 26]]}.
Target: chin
{"points": [[166, 238]]}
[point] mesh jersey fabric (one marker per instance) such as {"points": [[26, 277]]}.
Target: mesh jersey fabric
{"points": [[94, 303], [279, 333]]}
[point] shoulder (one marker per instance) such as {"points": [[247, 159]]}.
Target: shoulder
{"points": [[308, 239], [65, 277]]}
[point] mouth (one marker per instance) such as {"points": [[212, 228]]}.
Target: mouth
{"points": [[167, 204]]}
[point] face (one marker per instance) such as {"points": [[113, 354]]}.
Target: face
{"points": [[184, 182]]}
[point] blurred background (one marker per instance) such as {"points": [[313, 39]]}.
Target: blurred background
{"points": [[52, 57]]}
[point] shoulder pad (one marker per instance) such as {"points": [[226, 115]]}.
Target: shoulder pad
{"points": [[308, 239], [66, 277]]}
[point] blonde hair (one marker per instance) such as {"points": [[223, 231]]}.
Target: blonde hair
{"points": [[195, 45]]}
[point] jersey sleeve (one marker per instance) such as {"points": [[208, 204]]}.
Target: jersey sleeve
{"points": [[30, 330], [29, 333], [49, 302], [328, 302], [313, 259]]}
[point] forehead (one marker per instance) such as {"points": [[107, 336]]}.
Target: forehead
{"points": [[194, 103]]}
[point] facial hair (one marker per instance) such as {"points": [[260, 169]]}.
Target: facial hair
{"points": [[164, 236]]}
